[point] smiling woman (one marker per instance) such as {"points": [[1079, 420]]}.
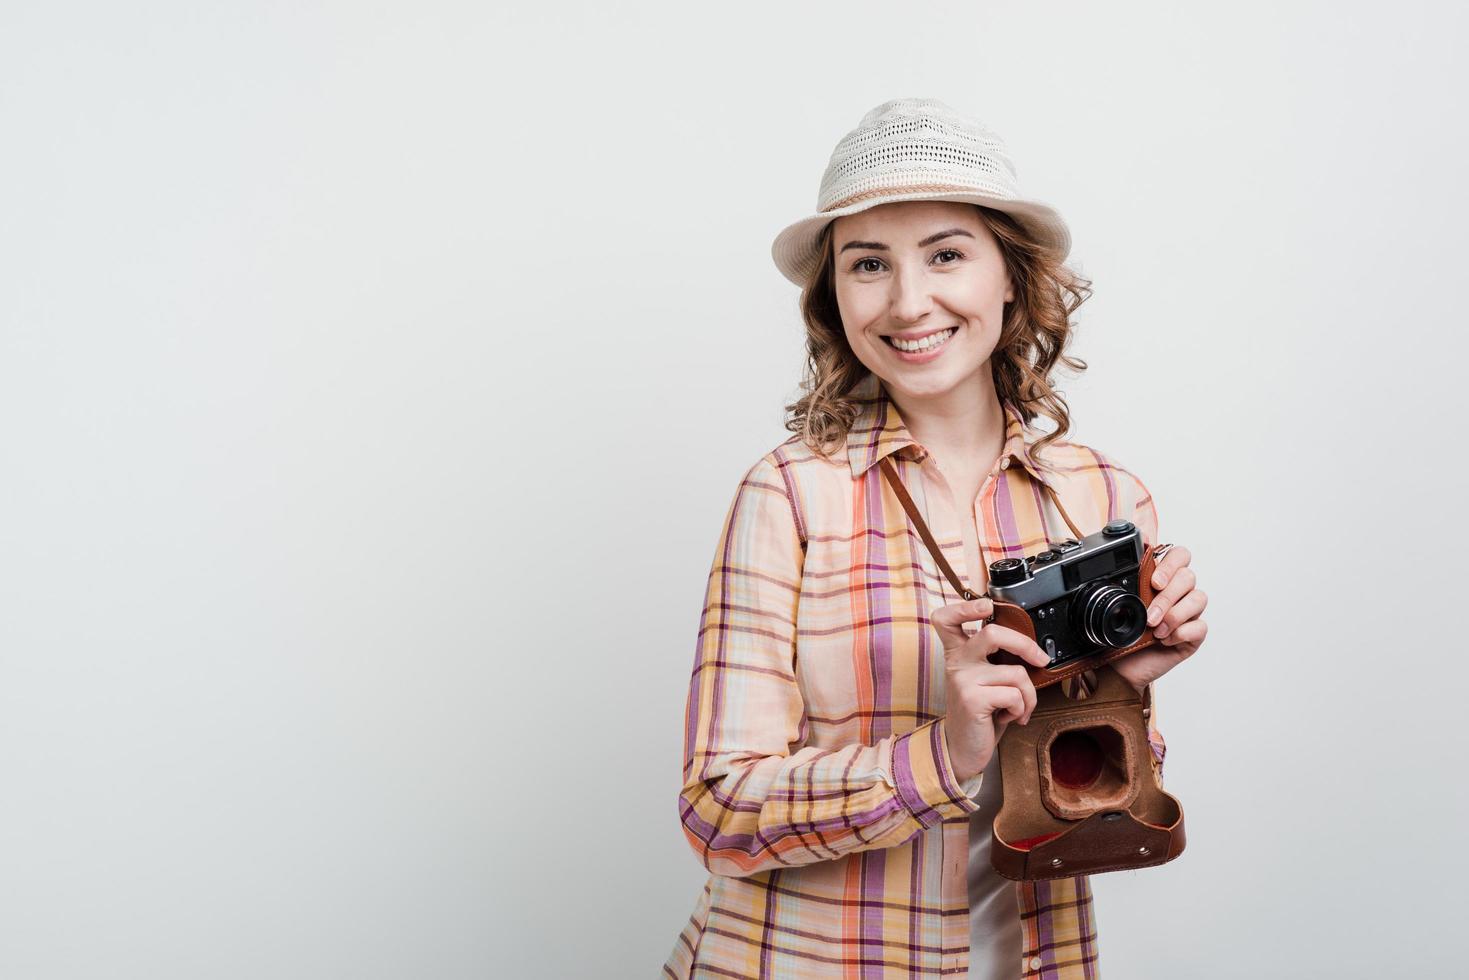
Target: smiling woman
{"points": [[840, 771]]}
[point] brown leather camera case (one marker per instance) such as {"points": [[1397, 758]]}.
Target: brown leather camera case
{"points": [[1081, 793], [1081, 789]]}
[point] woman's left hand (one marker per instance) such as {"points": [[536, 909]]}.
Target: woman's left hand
{"points": [[1174, 615]]}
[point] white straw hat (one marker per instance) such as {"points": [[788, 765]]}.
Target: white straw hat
{"points": [[914, 150]]}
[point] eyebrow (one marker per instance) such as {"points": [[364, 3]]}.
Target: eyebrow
{"points": [[935, 237]]}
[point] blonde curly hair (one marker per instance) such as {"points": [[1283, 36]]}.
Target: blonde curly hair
{"points": [[1033, 338]]}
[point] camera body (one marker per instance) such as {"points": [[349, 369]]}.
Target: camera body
{"points": [[1082, 596]]}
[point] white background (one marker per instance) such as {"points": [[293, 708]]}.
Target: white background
{"points": [[374, 379]]}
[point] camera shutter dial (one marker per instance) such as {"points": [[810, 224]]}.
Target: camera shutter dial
{"points": [[1008, 571]]}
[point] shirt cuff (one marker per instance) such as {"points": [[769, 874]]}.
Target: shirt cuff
{"points": [[924, 776]]}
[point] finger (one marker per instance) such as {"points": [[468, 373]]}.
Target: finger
{"points": [[949, 620], [1009, 675], [1180, 585], [1027, 690], [1001, 721], [996, 637], [1178, 557], [1183, 610], [1192, 632], [1005, 703]]}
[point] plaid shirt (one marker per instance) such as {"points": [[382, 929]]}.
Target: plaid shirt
{"points": [[817, 786]]}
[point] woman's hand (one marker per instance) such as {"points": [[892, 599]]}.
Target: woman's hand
{"points": [[982, 698], [1174, 616]]}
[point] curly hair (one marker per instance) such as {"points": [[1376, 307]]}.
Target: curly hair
{"points": [[1033, 338]]}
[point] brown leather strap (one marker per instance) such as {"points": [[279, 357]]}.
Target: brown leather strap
{"points": [[933, 546], [1055, 499]]}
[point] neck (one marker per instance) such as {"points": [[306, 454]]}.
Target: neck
{"points": [[964, 424]]}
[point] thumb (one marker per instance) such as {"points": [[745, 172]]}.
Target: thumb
{"points": [[949, 620]]}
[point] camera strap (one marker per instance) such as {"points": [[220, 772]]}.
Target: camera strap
{"points": [[933, 546]]}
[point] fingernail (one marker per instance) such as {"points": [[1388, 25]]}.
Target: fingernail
{"points": [[1161, 631], [1154, 615], [1159, 581]]}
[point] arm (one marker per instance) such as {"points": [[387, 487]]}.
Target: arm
{"points": [[755, 796]]}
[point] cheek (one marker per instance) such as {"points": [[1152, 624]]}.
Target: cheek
{"points": [[981, 295], [856, 311], [858, 307]]}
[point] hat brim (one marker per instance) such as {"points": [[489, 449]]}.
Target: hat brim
{"points": [[794, 249]]}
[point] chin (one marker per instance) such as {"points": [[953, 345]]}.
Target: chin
{"points": [[927, 383]]}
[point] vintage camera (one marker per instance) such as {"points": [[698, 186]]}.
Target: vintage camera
{"points": [[1082, 596]]}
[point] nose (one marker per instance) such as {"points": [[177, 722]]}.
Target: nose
{"points": [[910, 300]]}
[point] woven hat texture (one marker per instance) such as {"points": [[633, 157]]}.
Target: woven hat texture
{"points": [[914, 150]]}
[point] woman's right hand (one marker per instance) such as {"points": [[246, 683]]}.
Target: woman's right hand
{"points": [[982, 698]]}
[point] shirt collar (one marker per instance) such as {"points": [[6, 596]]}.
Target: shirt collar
{"points": [[879, 431]]}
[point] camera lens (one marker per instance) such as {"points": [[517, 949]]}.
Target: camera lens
{"points": [[1112, 617]]}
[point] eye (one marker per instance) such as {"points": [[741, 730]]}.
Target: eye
{"points": [[860, 264], [949, 251]]}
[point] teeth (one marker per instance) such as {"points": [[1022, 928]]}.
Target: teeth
{"points": [[932, 340]]}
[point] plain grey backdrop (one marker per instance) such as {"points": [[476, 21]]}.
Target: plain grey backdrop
{"points": [[374, 379]]}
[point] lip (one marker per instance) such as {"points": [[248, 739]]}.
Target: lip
{"points": [[920, 336], [922, 357]]}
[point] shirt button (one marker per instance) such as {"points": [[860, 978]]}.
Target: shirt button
{"points": [[1035, 963], [1005, 463]]}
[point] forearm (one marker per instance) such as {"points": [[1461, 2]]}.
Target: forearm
{"points": [[745, 816]]}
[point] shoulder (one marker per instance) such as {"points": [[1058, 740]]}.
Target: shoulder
{"points": [[804, 478], [1079, 468], [793, 462], [773, 483]]}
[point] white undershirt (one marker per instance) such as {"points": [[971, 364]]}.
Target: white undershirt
{"points": [[994, 917]]}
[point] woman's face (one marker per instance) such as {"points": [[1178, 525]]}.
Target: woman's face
{"points": [[920, 271]]}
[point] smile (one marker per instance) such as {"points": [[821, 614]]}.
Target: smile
{"points": [[928, 345]]}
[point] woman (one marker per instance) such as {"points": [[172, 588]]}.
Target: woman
{"points": [[840, 771]]}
